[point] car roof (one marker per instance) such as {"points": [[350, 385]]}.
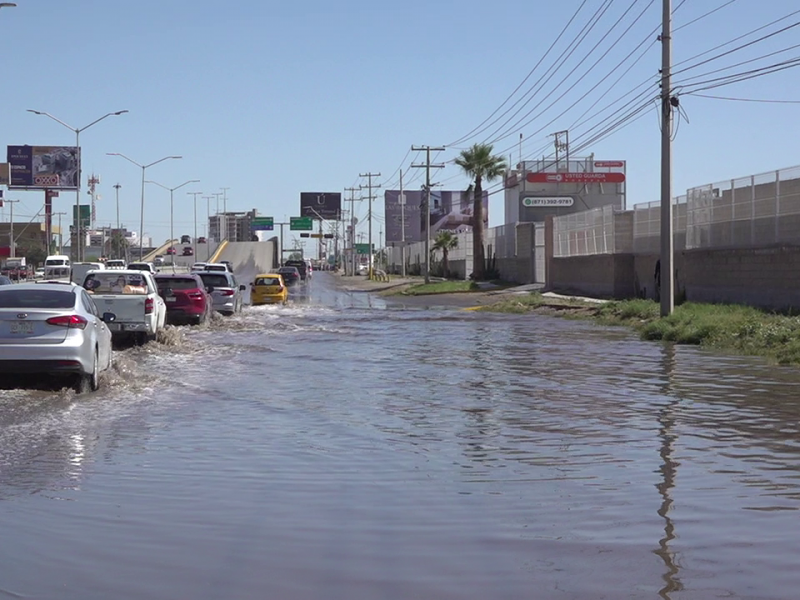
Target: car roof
{"points": [[176, 275], [46, 285]]}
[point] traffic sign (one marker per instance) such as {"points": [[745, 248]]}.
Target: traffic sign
{"points": [[301, 223], [363, 248], [262, 224]]}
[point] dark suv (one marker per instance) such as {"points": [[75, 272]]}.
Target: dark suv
{"points": [[300, 265]]}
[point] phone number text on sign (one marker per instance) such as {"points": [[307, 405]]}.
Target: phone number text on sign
{"points": [[46, 180], [552, 201]]}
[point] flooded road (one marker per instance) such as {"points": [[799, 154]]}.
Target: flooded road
{"points": [[342, 448]]}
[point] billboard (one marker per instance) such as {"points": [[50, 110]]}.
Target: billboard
{"points": [[450, 211], [325, 205], [43, 167]]}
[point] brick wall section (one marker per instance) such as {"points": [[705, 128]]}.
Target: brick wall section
{"points": [[764, 277]]}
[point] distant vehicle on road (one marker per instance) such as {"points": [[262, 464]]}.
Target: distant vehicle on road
{"points": [[301, 265], [39, 273], [158, 261], [201, 240], [227, 262], [115, 263], [290, 275], [142, 266], [171, 250], [198, 266], [187, 251], [225, 291], [268, 288], [186, 297], [54, 329], [186, 239], [224, 266]]}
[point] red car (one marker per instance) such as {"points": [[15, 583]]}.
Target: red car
{"points": [[171, 250], [187, 251], [186, 297]]}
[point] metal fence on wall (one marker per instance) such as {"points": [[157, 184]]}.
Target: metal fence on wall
{"points": [[584, 233], [759, 210], [647, 226]]}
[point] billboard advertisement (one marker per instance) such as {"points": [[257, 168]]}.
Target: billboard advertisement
{"points": [[450, 211], [43, 167], [321, 205]]}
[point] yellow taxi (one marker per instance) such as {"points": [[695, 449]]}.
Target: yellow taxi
{"points": [[268, 288]]}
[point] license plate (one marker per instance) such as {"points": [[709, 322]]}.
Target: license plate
{"points": [[170, 298], [21, 327]]}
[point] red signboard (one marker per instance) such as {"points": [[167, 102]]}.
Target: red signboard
{"points": [[576, 177], [606, 164]]}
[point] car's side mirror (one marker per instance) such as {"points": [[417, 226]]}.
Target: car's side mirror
{"points": [[242, 287], [108, 317]]}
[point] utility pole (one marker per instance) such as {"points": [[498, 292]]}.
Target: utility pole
{"points": [[370, 198], [60, 234], [352, 229], [117, 186], [219, 218], [208, 225], [427, 166], [402, 200], [666, 271], [194, 196], [12, 245]]}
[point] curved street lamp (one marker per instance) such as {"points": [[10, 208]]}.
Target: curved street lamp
{"points": [[7, 4], [144, 168], [78, 240], [171, 190]]}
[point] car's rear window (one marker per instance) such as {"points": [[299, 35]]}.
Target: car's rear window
{"points": [[115, 283], [55, 299], [214, 280], [267, 281], [175, 283]]}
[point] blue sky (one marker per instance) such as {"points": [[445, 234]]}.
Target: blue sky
{"points": [[271, 99]]}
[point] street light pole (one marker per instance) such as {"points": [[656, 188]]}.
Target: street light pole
{"points": [[144, 168], [194, 200], [208, 225], [171, 212], [78, 228]]}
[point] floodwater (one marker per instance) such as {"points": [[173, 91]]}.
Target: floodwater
{"points": [[340, 448]]}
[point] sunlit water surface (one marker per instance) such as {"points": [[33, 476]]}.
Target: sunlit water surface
{"points": [[345, 448]]}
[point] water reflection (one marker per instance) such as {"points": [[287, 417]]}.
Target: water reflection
{"points": [[667, 420]]}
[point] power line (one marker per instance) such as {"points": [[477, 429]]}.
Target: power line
{"points": [[711, 12], [745, 99], [476, 131]]}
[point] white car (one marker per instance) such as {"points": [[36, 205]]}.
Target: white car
{"points": [[53, 329], [198, 266]]}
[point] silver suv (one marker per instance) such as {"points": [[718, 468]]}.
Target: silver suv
{"points": [[225, 292]]}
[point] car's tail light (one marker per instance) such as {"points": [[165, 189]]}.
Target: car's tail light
{"points": [[68, 321], [227, 292], [195, 296], [149, 304]]}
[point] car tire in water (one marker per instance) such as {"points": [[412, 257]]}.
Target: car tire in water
{"points": [[88, 382]]}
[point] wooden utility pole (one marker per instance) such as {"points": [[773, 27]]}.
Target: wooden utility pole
{"points": [[370, 198], [427, 166], [352, 229]]}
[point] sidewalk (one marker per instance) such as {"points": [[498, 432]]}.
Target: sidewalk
{"points": [[360, 283]]}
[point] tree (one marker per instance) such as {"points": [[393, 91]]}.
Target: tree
{"points": [[479, 163], [119, 245], [445, 241]]}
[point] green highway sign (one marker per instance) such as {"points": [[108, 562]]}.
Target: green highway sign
{"points": [[86, 214], [363, 248], [301, 223], [262, 224]]}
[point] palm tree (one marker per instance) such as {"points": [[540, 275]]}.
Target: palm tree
{"points": [[445, 241], [119, 244], [480, 165]]}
